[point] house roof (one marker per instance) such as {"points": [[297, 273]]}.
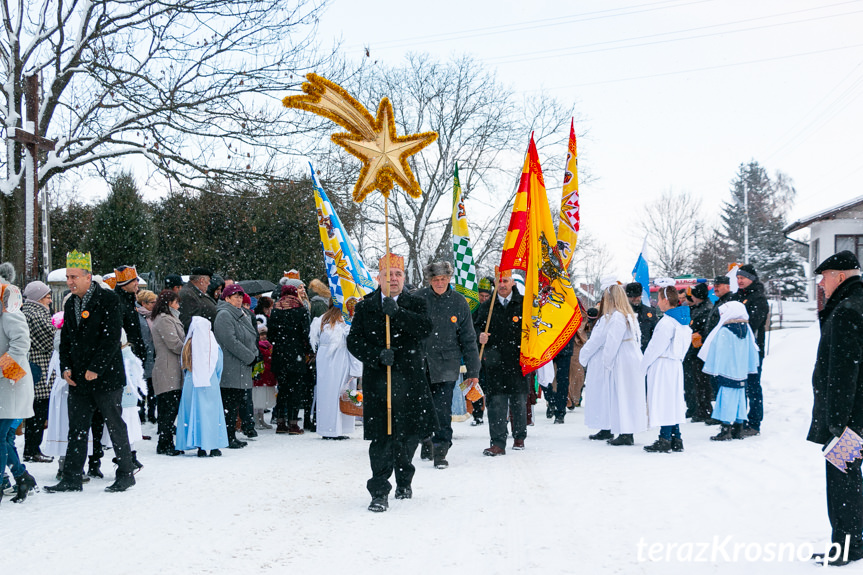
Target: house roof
{"points": [[827, 214]]}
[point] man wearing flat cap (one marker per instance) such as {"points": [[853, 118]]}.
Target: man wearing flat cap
{"points": [[837, 386], [413, 413], [647, 319], [753, 296], [194, 300]]}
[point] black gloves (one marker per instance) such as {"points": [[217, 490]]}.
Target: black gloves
{"points": [[388, 356], [391, 306]]}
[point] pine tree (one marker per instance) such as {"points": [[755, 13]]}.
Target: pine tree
{"points": [[122, 229]]}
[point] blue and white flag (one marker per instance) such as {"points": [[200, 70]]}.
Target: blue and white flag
{"points": [[641, 274], [347, 274]]}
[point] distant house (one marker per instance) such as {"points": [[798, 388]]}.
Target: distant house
{"points": [[830, 231]]}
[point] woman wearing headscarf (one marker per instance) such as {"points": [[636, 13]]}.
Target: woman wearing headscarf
{"points": [[239, 342], [288, 331], [201, 417], [168, 339]]}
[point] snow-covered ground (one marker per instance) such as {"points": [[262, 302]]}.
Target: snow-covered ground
{"points": [[564, 505]]}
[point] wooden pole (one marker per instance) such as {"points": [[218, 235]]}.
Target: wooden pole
{"points": [[386, 290], [490, 308]]}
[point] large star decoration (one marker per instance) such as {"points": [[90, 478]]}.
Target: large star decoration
{"points": [[373, 140]]}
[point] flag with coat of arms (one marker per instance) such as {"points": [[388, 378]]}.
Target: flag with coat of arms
{"points": [[465, 270], [349, 279]]}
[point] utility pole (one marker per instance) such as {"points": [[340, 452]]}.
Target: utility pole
{"points": [[34, 143], [745, 224]]}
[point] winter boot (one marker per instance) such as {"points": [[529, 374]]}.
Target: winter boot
{"points": [[601, 435], [622, 439], [63, 486], [379, 504], [94, 469], [427, 450], [122, 482], [282, 426], [440, 452], [25, 484], [724, 433], [737, 431], [661, 445], [677, 444]]}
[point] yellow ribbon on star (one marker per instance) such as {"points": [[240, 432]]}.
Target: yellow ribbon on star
{"points": [[373, 140]]}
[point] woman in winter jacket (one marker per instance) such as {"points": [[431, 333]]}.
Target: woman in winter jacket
{"points": [[146, 303], [168, 338], [663, 364], [239, 342], [288, 331]]}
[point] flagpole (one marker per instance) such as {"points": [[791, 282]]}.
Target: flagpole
{"points": [[490, 308], [387, 294]]}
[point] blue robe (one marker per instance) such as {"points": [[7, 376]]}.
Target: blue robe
{"points": [[201, 419]]}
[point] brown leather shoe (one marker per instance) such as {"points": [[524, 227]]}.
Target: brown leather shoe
{"points": [[518, 444], [494, 451], [295, 430], [282, 427]]}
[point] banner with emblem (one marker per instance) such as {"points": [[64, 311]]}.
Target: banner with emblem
{"points": [[570, 218], [347, 274], [465, 270], [550, 312]]}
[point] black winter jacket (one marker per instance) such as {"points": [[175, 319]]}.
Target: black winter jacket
{"points": [[647, 320], [288, 331], [502, 355], [132, 323], [755, 299], [452, 338]]}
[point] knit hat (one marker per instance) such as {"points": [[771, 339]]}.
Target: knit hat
{"points": [[174, 280], [289, 290], [232, 289], [748, 271], [36, 290], [840, 262], [291, 282], [634, 289], [699, 290]]}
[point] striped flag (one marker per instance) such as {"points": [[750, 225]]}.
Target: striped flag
{"points": [[570, 218], [347, 274], [465, 270]]}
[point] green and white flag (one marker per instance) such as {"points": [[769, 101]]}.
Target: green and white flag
{"points": [[465, 270]]}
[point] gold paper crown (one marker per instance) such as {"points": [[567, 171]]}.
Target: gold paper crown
{"points": [[396, 262], [78, 260], [292, 274], [111, 280], [125, 274], [505, 274]]}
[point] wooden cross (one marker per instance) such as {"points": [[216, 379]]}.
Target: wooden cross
{"points": [[34, 144]]}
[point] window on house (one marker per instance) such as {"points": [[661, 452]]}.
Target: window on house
{"points": [[854, 244]]}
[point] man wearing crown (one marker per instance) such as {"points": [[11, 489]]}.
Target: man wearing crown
{"points": [[413, 413], [92, 365]]}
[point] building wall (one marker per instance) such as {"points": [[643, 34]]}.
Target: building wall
{"points": [[822, 239]]}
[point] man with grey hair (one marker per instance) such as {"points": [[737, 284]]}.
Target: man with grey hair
{"points": [[452, 340], [194, 300]]}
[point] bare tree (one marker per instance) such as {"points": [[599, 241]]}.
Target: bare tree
{"points": [[591, 261], [190, 85], [671, 224]]}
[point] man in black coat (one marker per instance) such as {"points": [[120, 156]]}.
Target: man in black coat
{"points": [[485, 291], [92, 363], [127, 289], [413, 413], [696, 384], [505, 388], [753, 296], [452, 339], [194, 300], [647, 318], [837, 386]]}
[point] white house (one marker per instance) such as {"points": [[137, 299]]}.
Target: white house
{"points": [[830, 231]]}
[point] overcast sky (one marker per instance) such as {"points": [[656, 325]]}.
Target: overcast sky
{"points": [[675, 94]]}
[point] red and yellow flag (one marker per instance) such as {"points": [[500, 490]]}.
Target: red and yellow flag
{"points": [[550, 310], [570, 217]]}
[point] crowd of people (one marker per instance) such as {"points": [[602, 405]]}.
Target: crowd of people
{"points": [[206, 361]]}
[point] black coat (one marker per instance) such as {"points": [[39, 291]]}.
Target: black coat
{"points": [[452, 337], [501, 358], [92, 343], [288, 331], [647, 320], [713, 317], [837, 381], [698, 317], [194, 302], [132, 323], [413, 412], [755, 300]]}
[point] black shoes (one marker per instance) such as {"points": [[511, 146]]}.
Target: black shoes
{"points": [[622, 439], [440, 461], [558, 419], [94, 469], [724, 434], [427, 450], [677, 444], [711, 421], [236, 444], [476, 421], [379, 504], [251, 433], [169, 451], [404, 492], [63, 486], [659, 446], [121, 483], [23, 486], [602, 435], [38, 458], [748, 432], [213, 453], [202, 453]]}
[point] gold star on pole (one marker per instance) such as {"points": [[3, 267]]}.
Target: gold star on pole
{"points": [[373, 140]]}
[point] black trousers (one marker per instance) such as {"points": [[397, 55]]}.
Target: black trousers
{"points": [[82, 408], [387, 455], [845, 505], [232, 401], [697, 389], [169, 406], [34, 427], [289, 396], [442, 399]]}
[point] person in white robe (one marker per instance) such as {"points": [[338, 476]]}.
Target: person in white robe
{"points": [[337, 370], [663, 364], [596, 395]]}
